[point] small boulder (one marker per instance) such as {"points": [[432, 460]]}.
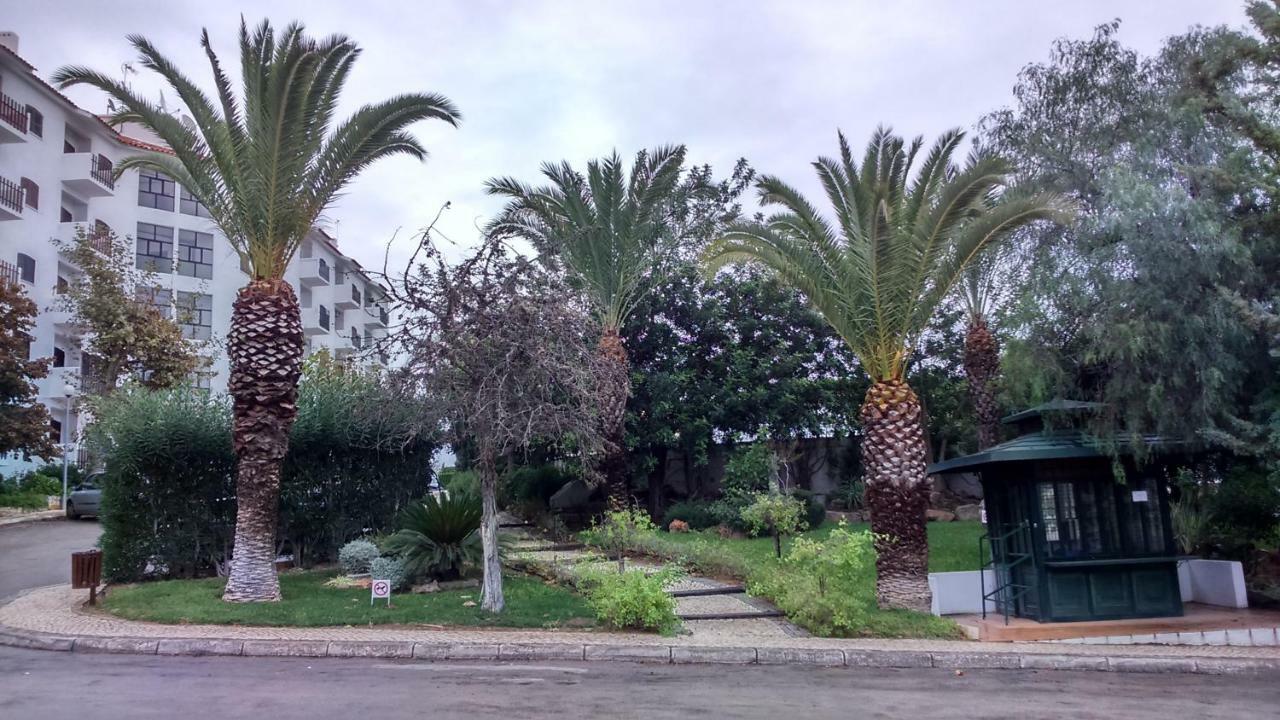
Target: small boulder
{"points": [[574, 493], [424, 588], [934, 515], [969, 512]]}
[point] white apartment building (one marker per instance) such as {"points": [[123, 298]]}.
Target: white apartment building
{"points": [[56, 163]]}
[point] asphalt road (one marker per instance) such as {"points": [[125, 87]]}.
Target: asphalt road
{"points": [[52, 686], [35, 554]]}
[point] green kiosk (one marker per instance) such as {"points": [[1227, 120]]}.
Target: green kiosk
{"points": [[1069, 541]]}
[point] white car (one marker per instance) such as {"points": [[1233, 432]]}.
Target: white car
{"points": [[84, 499]]}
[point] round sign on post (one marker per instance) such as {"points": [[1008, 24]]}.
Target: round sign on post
{"points": [[381, 589]]}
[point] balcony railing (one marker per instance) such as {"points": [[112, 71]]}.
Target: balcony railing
{"points": [[101, 169], [11, 195], [13, 113], [9, 273]]}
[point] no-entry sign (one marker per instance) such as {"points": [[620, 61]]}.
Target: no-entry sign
{"points": [[381, 589]]}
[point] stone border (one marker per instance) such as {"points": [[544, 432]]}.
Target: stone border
{"points": [[660, 654]]}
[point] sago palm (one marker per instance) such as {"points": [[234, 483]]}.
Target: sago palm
{"points": [[265, 164], [608, 228], [898, 241]]}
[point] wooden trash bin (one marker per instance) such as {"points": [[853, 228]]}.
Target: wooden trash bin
{"points": [[86, 572]]}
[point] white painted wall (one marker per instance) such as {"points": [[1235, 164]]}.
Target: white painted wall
{"points": [[1213, 582]]}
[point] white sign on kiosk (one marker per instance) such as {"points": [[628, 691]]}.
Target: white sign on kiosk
{"points": [[380, 589]]}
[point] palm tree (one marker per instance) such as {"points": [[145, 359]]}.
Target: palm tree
{"points": [[265, 165], [610, 231], [982, 286], [899, 243]]}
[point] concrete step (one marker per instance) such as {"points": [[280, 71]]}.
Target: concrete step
{"points": [[700, 592], [742, 615]]}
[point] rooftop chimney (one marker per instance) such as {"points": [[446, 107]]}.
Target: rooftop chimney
{"points": [[9, 40]]}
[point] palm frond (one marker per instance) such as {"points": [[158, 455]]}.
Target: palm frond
{"points": [[267, 163]]}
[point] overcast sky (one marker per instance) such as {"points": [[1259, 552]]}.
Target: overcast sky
{"points": [[535, 81]]}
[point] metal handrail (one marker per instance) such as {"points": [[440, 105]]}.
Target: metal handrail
{"points": [[1000, 593]]}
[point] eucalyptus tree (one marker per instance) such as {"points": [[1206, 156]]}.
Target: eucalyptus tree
{"points": [[901, 239], [265, 163], [610, 230]]}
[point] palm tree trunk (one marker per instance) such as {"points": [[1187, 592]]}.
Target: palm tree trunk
{"points": [[615, 388], [897, 493], [491, 598], [265, 350], [982, 368]]}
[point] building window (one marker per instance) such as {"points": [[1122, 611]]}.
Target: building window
{"points": [[31, 193], [155, 248], [35, 121], [355, 338], [26, 268], [202, 381], [62, 286], [195, 254], [158, 298], [156, 190], [190, 205], [64, 215], [196, 315], [55, 431], [324, 317], [59, 357]]}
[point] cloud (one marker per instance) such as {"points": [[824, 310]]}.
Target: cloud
{"points": [[566, 79]]}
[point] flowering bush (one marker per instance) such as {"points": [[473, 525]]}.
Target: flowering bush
{"points": [[678, 526]]}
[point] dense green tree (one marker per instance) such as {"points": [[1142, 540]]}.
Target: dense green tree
{"points": [[24, 423], [902, 236], [265, 164], [731, 357], [1139, 304]]}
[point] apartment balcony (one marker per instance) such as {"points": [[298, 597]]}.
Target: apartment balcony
{"points": [[316, 320], [88, 175], [13, 120], [64, 322], [9, 273], [69, 231], [347, 295], [10, 200], [376, 316], [314, 272], [58, 385]]}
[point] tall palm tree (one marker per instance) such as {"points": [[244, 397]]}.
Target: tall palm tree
{"points": [[265, 165], [899, 242], [610, 231], [982, 287]]}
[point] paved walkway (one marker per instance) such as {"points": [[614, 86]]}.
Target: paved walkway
{"points": [[58, 610]]}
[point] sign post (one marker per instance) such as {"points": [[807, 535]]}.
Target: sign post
{"points": [[380, 589]]}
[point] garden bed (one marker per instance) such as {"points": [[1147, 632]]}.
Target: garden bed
{"points": [[308, 602], [952, 546]]}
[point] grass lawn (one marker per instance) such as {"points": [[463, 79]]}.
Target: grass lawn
{"points": [[531, 603], [952, 546]]}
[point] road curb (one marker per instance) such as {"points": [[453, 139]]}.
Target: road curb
{"points": [[41, 516], [662, 654]]}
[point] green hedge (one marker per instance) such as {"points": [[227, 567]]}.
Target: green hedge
{"points": [[358, 453]]}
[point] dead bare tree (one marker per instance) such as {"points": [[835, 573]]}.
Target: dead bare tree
{"points": [[494, 342]]}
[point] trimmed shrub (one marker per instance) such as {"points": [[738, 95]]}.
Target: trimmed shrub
{"points": [[390, 569], [356, 556], [633, 600], [358, 453], [25, 500], [815, 513], [533, 484], [697, 513], [823, 586], [454, 480]]}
